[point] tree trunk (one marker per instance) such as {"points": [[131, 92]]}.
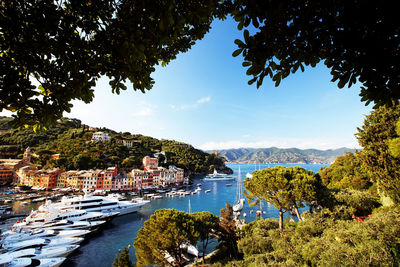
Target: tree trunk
{"points": [[280, 219], [298, 214]]}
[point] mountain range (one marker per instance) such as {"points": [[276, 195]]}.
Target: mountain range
{"points": [[281, 155]]}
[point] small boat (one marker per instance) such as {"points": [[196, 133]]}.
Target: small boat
{"points": [[208, 190], [228, 184], [244, 215]]}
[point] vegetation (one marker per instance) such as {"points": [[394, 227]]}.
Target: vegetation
{"points": [[376, 136], [228, 235], [286, 188], [345, 35], [123, 260], [348, 171], [66, 46], [206, 224], [72, 140], [164, 237], [324, 238]]}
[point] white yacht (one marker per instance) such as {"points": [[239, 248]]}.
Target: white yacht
{"points": [[42, 233], [41, 242], [38, 253], [49, 262], [215, 176], [99, 204], [60, 225], [47, 214]]}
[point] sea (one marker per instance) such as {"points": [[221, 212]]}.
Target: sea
{"points": [[101, 249]]}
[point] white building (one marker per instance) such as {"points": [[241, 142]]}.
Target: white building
{"points": [[100, 137]]}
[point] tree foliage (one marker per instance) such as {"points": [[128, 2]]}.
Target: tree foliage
{"points": [[284, 187], [375, 136], [357, 40], [206, 224], [123, 260], [66, 46], [325, 238], [164, 236], [53, 52], [347, 172], [228, 235]]}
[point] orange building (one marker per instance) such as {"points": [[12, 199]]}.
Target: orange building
{"points": [[150, 163], [108, 176]]}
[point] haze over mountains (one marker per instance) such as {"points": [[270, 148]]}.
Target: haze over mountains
{"points": [[282, 155]]}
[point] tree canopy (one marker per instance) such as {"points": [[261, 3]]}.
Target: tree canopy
{"points": [[348, 171], [284, 187], [163, 238], [357, 40], [53, 52], [375, 136]]}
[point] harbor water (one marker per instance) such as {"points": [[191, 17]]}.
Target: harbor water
{"points": [[100, 250]]}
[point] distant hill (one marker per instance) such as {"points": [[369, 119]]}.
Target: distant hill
{"points": [[281, 155]]}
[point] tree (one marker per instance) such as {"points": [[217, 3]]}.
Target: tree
{"points": [[228, 235], [206, 224], [357, 40], [66, 46], [123, 260], [347, 172], [375, 136], [284, 187], [394, 144], [163, 238]]}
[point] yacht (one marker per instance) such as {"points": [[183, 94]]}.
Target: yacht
{"points": [[99, 204], [238, 206], [38, 253], [41, 242], [49, 262], [215, 176], [47, 214], [60, 225], [42, 233]]}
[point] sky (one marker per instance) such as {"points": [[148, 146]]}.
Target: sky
{"points": [[202, 98]]}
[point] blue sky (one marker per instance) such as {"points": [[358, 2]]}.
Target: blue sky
{"points": [[202, 98]]}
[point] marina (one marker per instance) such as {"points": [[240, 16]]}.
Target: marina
{"points": [[121, 230]]}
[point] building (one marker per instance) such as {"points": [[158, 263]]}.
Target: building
{"points": [[16, 165], [7, 175], [49, 178], [150, 163], [142, 178], [100, 137], [90, 180], [108, 176], [127, 142]]}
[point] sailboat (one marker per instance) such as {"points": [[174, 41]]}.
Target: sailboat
{"points": [[239, 197]]}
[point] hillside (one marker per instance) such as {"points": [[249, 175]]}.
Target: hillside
{"points": [[72, 140], [281, 155]]}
